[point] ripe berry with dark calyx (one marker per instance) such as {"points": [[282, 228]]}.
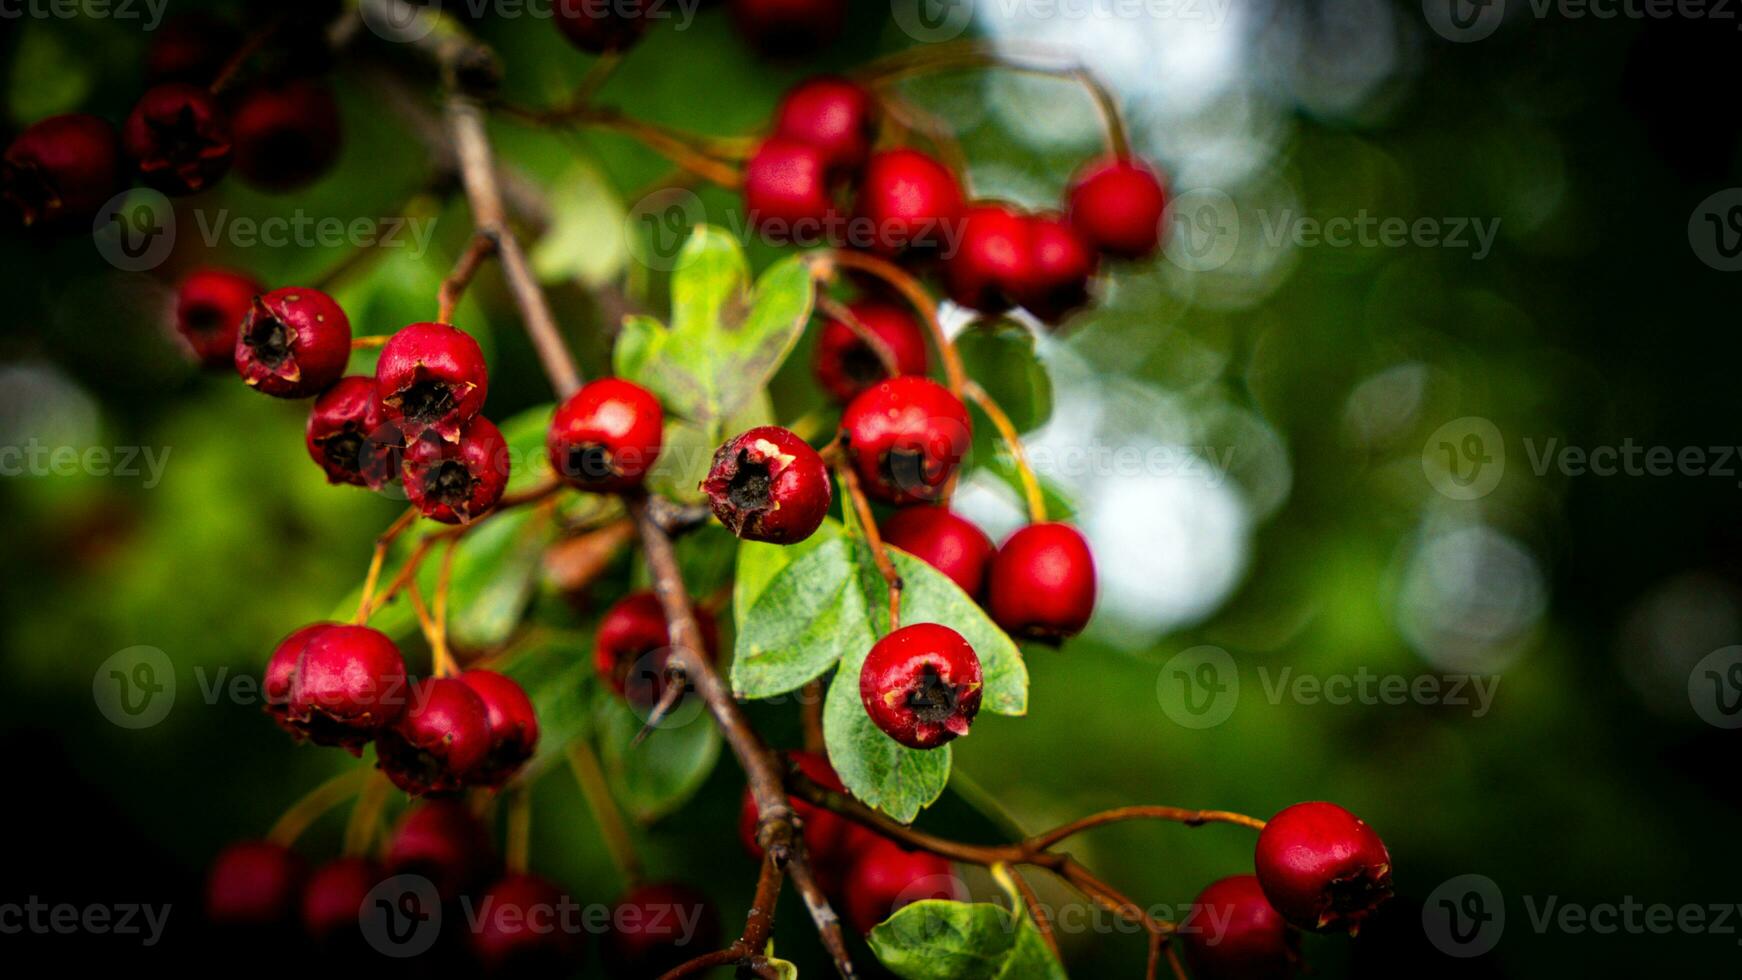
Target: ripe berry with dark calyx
{"points": [[349, 685], [281, 674], [349, 440], [61, 170], [633, 645], [1322, 867], [191, 48], [658, 926], [598, 26], [905, 437], [787, 28], [443, 841], [910, 201], [845, 364], [836, 115], [1234, 934], [946, 541], [769, 485], [432, 378], [527, 927], [287, 136], [887, 877], [294, 343], [254, 883], [606, 436], [209, 309], [333, 899], [991, 265], [786, 192], [513, 725], [1041, 585], [457, 483], [1117, 206], [830, 840], [1060, 266], [922, 685], [440, 740], [178, 138]]}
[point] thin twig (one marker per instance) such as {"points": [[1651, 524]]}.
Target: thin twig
{"points": [[584, 763], [1042, 922], [1191, 818], [315, 802], [913, 291], [836, 310], [1012, 441], [379, 558], [480, 247], [879, 552], [518, 844]]}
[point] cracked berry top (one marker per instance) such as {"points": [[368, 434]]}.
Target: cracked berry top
{"points": [[347, 437], [457, 483], [178, 138], [294, 343], [61, 170], [769, 485], [431, 377], [905, 437], [606, 436], [922, 685]]}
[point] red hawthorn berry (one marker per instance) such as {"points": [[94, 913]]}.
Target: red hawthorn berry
{"points": [[294, 343], [209, 309], [788, 28], [347, 437], [946, 541], [1117, 205], [1041, 585], [61, 170], [513, 725], [178, 138], [887, 877], [1234, 934], [431, 378], [830, 840], [921, 684], [845, 364], [769, 485], [253, 883], [905, 437], [443, 841], [440, 740], [838, 116], [457, 483], [992, 263], [527, 927], [658, 926], [333, 899], [281, 673], [1322, 867], [286, 136], [348, 686], [1060, 266], [910, 200], [633, 644], [606, 437], [598, 26], [786, 192]]}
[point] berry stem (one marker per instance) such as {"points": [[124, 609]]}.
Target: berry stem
{"points": [[590, 776], [373, 342], [1041, 923], [444, 665], [811, 716], [879, 552], [480, 247], [518, 845], [382, 544], [247, 49], [837, 310], [911, 290], [711, 160], [1012, 441], [1191, 818], [297, 818], [365, 818]]}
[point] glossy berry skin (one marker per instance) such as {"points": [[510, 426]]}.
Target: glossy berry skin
{"points": [[333, 898], [844, 364], [457, 483], [294, 343], [513, 725], [441, 840], [598, 26], [61, 170], [431, 378], [210, 306], [349, 440], [922, 685], [253, 883], [440, 740], [1322, 867], [606, 436], [830, 840], [656, 927], [281, 674], [1234, 934], [786, 191], [1117, 206], [527, 928], [190, 48], [178, 138], [633, 644], [837, 116], [349, 685], [1060, 266], [910, 201], [286, 136], [906, 437], [947, 542], [789, 28], [769, 485], [991, 265], [1042, 583], [886, 878]]}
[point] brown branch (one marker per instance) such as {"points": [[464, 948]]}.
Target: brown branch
{"points": [[1042, 923], [481, 247], [1191, 818]]}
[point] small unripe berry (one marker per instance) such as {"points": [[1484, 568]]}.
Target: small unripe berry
{"points": [[769, 485], [991, 265], [253, 883], [333, 900], [294, 343], [658, 926], [210, 306], [1322, 867], [887, 878], [190, 48], [61, 170], [513, 725], [1117, 206], [527, 928], [440, 740], [431, 378], [786, 191], [910, 200], [1041, 585], [1234, 934], [836, 115], [946, 541], [606, 436], [633, 646], [1060, 266], [598, 26], [349, 685], [457, 483], [789, 28], [281, 674], [178, 138], [443, 841], [348, 439], [922, 685], [845, 364], [286, 136], [906, 437]]}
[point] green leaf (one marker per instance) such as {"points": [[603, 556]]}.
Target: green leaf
{"points": [[556, 669], [585, 239], [809, 616], [942, 940], [783, 970], [1000, 356], [661, 774], [525, 432], [495, 573]]}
